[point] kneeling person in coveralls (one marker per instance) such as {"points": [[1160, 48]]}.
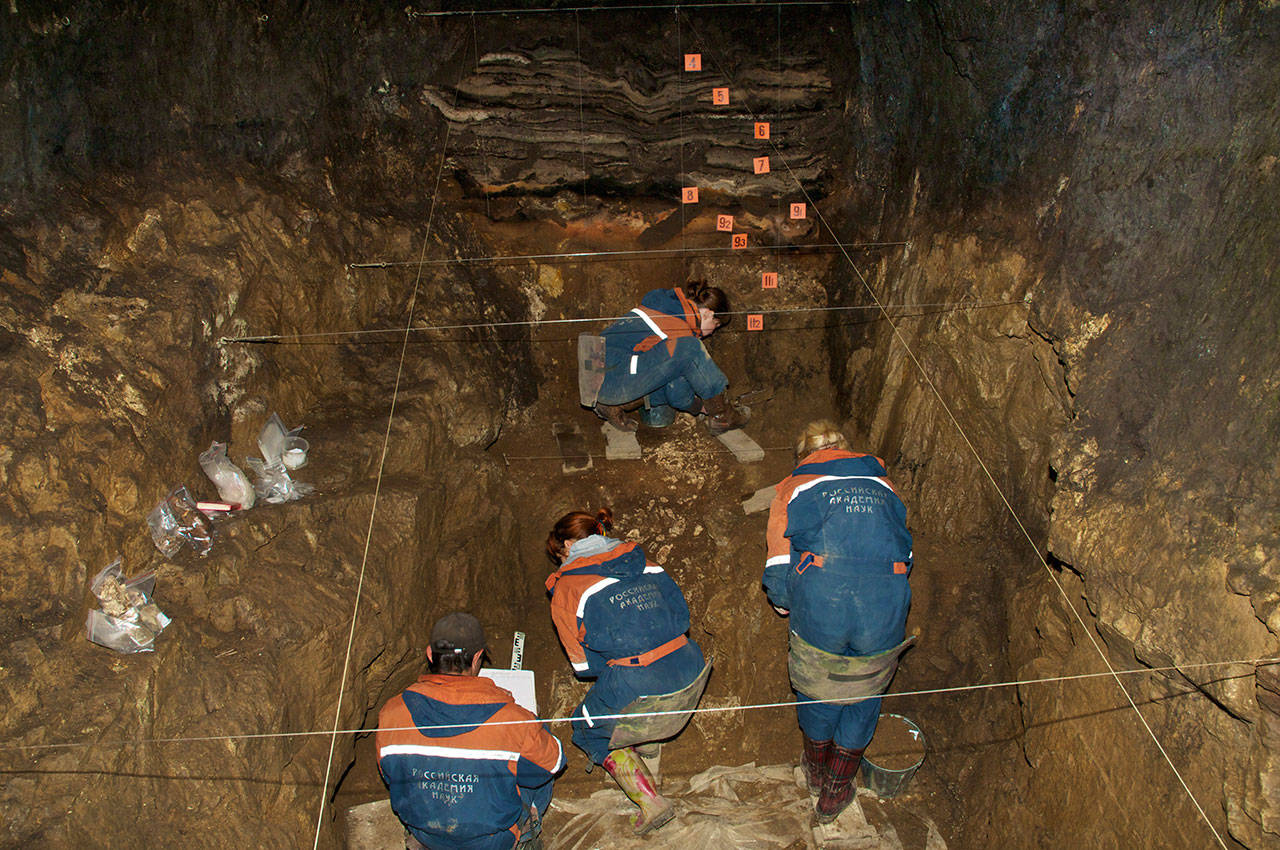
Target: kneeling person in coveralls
{"points": [[622, 620], [656, 355], [473, 785], [839, 555]]}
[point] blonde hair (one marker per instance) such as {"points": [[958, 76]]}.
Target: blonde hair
{"points": [[820, 434]]}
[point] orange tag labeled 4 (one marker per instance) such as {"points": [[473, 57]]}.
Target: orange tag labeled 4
{"points": [[755, 322], [724, 223], [693, 61]]}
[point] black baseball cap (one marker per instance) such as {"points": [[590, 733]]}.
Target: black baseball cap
{"points": [[461, 631]]}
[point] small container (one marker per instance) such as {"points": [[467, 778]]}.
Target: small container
{"points": [[901, 751], [294, 455]]}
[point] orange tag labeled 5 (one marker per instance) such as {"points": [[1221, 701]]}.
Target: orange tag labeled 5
{"points": [[720, 97]]}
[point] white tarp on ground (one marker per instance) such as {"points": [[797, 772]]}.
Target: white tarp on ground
{"points": [[748, 807]]}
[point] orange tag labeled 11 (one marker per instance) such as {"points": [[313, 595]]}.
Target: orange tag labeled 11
{"points": [[724, 223], [761, 164], [769, 280], [739, 240], [693, 61], [689, 195], [720, 97], [755, 321], [797, 210]]}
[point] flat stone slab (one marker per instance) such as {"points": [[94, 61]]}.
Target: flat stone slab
{"points": [[572, 447], [745, 449], [373, 826], [618, 444], [760, 500]]}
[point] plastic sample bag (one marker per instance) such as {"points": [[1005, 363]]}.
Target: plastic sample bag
{"points": [[273, 484], [129, 621], [233, 485], [176, 521]]}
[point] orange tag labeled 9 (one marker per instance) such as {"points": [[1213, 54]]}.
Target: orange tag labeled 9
{"points": [[720, 97], [693, 61], [761, 164], [755, 321], [724, 223], [739, 240], [689, 195], [797, 210], [769, 280], [762, 129]]}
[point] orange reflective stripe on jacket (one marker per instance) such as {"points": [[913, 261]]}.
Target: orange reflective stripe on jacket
{"points": [[674, 327]]}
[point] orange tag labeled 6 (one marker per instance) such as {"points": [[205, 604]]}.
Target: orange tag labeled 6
{"points": [[762, 129], [739, 240], [797, 210], [693, 61], [720, 97], [689, 195], [755, 321], [724, 223], [761, 164], [769, 280]]}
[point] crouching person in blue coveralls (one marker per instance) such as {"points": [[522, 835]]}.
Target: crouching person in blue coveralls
{"points": [[655, 359], [622, 621], [472, 785], [839, 556]]}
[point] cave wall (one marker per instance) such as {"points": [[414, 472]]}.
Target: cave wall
{"points": [[1116, 168]]}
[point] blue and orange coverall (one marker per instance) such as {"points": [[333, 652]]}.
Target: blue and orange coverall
{"points": [[468, 787], [621, 620], [839, 558]]}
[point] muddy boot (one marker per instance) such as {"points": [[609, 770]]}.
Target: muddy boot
{"points": [[633, 777], [815, 763], [838, 786], [616, 416], [723, 416]]}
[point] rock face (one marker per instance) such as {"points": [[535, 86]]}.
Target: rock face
{"points": [[1087, 304]]}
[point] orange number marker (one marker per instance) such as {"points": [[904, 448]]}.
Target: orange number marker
{"points": [[693, 61], [739, 240], [762, 129], [724, 223], [720, 97], [761, 164], [755, 321], [797, 210], [769, 280], [689, 195]]}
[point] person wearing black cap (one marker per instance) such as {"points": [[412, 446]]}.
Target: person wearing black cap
{"points": [[462, 774]]}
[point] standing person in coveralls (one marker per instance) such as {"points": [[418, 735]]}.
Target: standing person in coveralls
{"points": [[474, 785], [655, 359], [622, 621], [839, 555]]}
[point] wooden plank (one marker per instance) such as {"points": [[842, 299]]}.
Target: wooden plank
{"points": [[745, 449]]}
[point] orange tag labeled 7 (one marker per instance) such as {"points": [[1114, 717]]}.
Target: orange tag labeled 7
{"points": [[724, 223], [739, 240], [762, 129], [769, 280], [689, 195], [720, 97], [761, 164], [755, 321], [797, 210], [693, 61]]}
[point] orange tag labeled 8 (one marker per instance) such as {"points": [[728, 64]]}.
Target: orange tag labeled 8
{"points": [[720, 97], [693, 61], [739, 240], [724, 223], [689, 195], [797, 210], [761, 164], [755, 321], [762, 129], [769, 280]]}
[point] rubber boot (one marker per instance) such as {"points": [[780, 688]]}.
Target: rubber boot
{"points": [[838, 786], [723, 416], [616, 416], [633, 778], [816, 763]]}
